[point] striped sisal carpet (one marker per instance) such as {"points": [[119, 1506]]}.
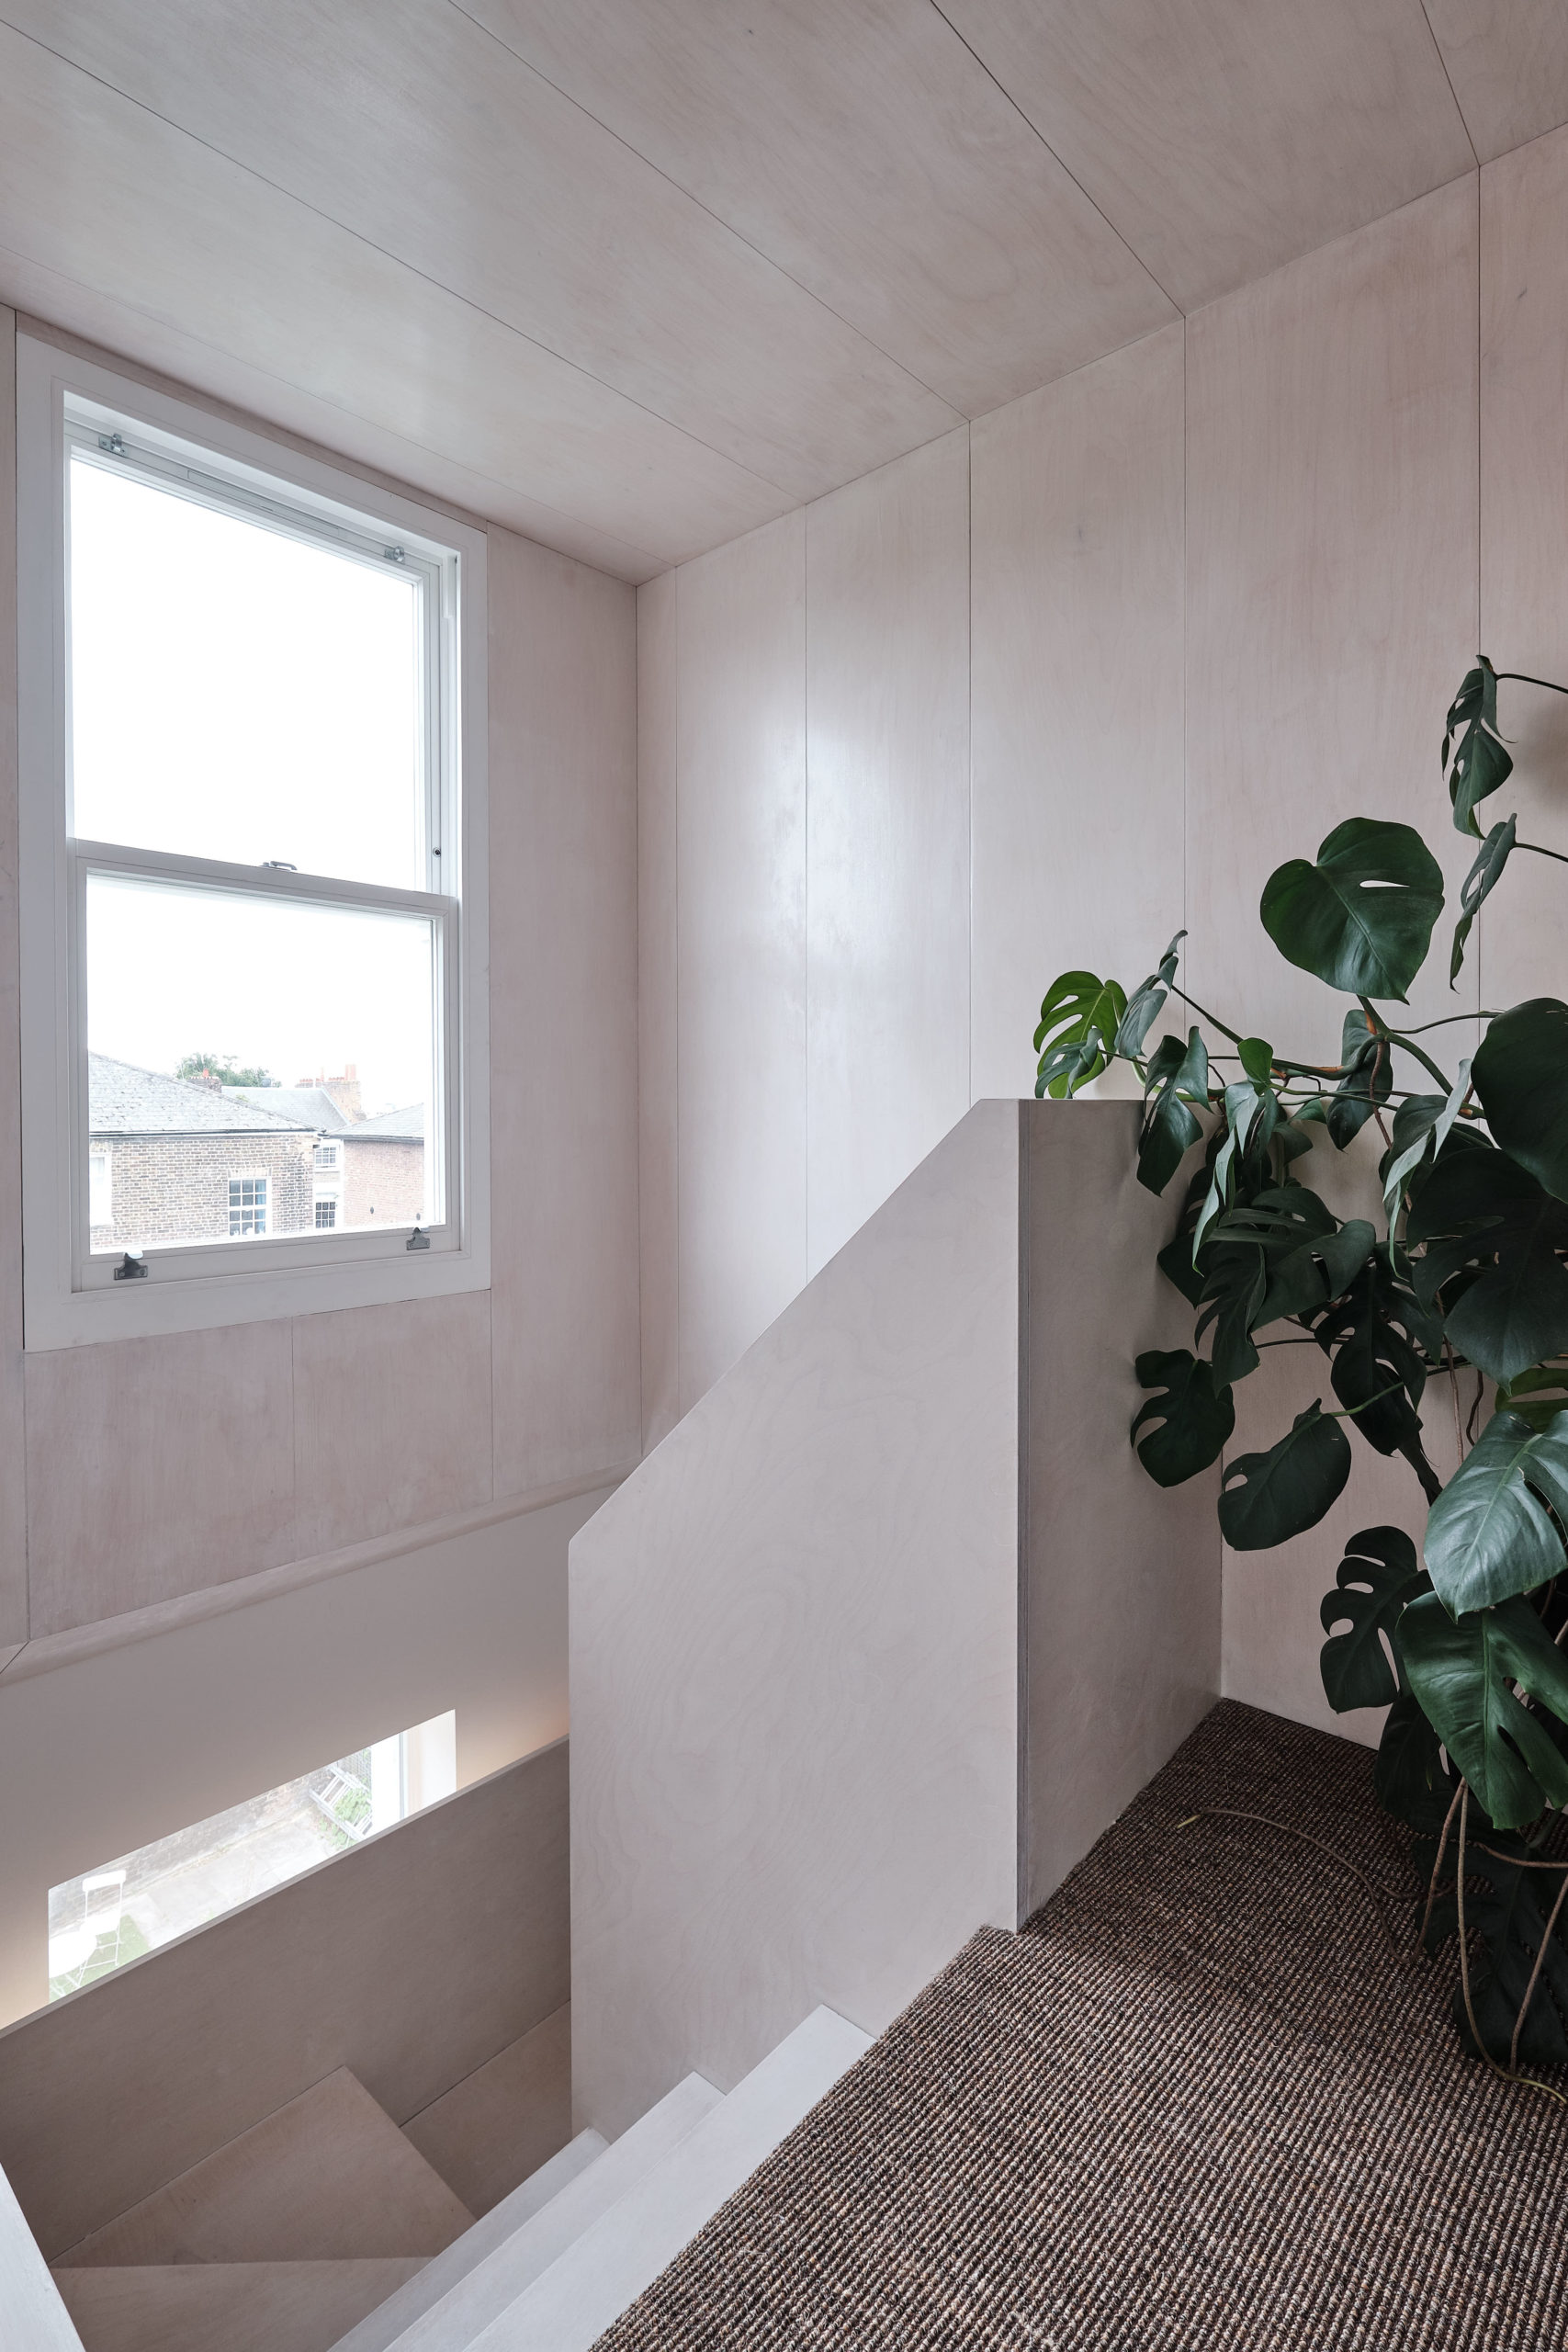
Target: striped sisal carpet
{"points": [[1198, 2103]]}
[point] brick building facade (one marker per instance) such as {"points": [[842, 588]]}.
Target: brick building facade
{"points": [[171, 1160]]}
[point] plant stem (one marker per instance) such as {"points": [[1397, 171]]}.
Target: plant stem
{"points": [[1231, 1812], [1535, 1978], [1437, 1866], [1521, 678], [1234, 1034], [1536, 850], [1486, 1013], [1402, 1037]]}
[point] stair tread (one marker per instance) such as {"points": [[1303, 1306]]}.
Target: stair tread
{"points": [[243, 2306], [495, 2129], [521, 2254], [327, 2178], [568, 2307]]}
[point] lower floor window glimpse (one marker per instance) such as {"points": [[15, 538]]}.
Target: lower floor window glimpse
{"points": [[326, 1214], [126, 1907], [247, 1206]]}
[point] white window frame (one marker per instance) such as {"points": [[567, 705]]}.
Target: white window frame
{"points": [[69, 1296]]}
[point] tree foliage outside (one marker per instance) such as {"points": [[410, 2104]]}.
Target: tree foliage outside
{"points": [[221, 1070], [1465, 1271]]}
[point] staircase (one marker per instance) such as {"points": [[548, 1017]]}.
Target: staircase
{"points": [[324, 2226]]}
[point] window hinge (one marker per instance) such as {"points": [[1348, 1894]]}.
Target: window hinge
{"points": [[417, 1240], [133, 1268], [112, 444]]}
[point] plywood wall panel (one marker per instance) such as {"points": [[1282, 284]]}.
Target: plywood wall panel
{"points": [[156, 1467], [1331, 568], [658, 777], [1077, 691], [1223, 140], [742, 944], [562, 1017], [887, 856], [1524, 551], [391, 1417]]}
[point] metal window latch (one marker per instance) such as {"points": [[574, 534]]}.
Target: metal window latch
{"points": [[396, 555], [112, 444], [133, 1268], [278, 865], [417, 1240]]}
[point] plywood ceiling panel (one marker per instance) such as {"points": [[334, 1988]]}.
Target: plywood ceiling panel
{"points": [[636, 276], [411, 127], [871, 155], [1225, 137], [115, 200], [1508, 62]]}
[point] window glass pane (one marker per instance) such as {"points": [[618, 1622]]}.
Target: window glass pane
{"points": [[230, 1040], [138, 1901], [238, 694]]}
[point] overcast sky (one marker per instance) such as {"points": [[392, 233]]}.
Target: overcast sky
{"points": [[240, 694]]}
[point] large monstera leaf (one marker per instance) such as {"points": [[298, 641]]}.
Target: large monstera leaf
{"points": [[1079, 1022], [1463, 1673], [1492, 1245], [1361, 917], [1192, 1416], [1269, 1497], [1521, 1077], [1377, 1576], [1479, 761], [1490, 1534]]}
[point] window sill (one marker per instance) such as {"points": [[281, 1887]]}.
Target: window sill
{"points": [[139, 1310]]}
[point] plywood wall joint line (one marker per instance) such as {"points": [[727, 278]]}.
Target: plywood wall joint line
{"points": [[717, 218], [399, 261], [1035, 131]]}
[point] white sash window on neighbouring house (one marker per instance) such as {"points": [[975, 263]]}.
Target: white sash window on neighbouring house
{"points": [[252, 836]]}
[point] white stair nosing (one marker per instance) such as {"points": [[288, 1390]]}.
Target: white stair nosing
{"points": [[380, 2328], [568, 2307], [494, 2284]]}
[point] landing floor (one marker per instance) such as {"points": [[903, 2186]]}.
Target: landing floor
{"points": [[1199, 2102]]}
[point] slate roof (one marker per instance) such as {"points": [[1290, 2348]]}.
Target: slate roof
{"points": [[301, 1106], [393, 1126], [125, 1101]]}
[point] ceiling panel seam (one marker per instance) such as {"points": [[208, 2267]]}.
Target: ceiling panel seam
{"points": [[370, 244], [1458, 106], [1036, 132], [717, 218]]}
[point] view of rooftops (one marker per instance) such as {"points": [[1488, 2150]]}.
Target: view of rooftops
{"points": [[188, 1158]]}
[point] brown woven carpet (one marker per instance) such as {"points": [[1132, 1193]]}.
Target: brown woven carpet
{"points": [[1197, 2103]]}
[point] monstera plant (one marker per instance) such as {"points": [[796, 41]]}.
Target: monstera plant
{"points": [[1465, 1271]]}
